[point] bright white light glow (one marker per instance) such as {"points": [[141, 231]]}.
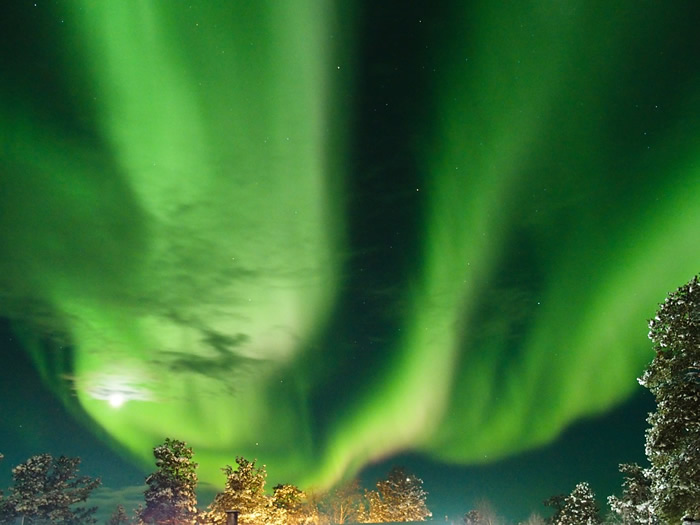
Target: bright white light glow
{"points": [[116, 399]]}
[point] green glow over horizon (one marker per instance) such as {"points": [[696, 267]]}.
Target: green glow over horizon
{"points": [[189, 238]]}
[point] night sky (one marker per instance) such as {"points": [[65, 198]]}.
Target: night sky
{"points": [[341, 236]]}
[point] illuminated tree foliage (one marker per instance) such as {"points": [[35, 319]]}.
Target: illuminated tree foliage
{"points": [[344, 504], [291, 506], [580, 507], [399, 497], [635, 505], [674, 379], [47, 489], [170, 496], [244, 491]]}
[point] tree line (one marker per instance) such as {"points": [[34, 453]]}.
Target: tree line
{"points": [[667, 491], [49, 490]]}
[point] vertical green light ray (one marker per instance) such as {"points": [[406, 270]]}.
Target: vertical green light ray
{"points": [[491, 121], [582, 345], [462, 235], [216, 120], [607, 344], [49, 200]]}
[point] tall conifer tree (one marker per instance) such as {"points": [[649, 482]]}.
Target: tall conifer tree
{"points": [[170, 496], [674, 379]]}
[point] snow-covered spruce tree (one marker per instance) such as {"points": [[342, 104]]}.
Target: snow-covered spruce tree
{"points": [[47, 489], [673, 377], [119, 516], [580, 507], [244, 492], [635, 505], [399, 497], [170, 497]]}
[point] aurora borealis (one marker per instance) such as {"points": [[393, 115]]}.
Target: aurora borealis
{"points": [[322, 236]]}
